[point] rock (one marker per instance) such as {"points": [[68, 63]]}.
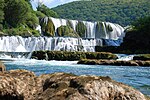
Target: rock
{"points": [[2, 67], [108, 62], [24, 85], [66, 31], [143, 57], [48, 28], [17, 85], [81, 29], [71, 56]]}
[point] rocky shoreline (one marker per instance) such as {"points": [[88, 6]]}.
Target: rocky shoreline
{"points": [[25, 85], [115, 62]]}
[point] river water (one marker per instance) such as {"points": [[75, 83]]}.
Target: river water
{"points": [[137, 77]]}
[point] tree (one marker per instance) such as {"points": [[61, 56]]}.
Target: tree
{"points": [[1, 13], [47, 11], [142, 25], [15, 11]]}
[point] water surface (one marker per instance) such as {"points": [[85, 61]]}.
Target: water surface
{"points": [[137, 77]]}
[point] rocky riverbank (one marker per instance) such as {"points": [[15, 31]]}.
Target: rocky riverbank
{"points": [[71, 56], [115, 62], [25, 85]]}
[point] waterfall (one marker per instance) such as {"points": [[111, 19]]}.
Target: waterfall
{"points": [[92, 34], [20, 44], [102, 30]]}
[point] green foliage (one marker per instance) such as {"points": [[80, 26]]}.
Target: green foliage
{"points": [[81, 29], [1, 13], [137, 40], [117, 11], [142, 25], [31, 20], [15, 11], [21, 31], [40, 14], [47, 11]]}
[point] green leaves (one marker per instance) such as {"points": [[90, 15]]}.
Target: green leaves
{"points": [[15, 11], [142, 24], [1, 13], [45, 10], [122, 12]]}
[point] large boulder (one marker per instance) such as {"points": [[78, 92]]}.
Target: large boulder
{"points": [[2, 67], [66, 31], [24, 85], [18, 85]]}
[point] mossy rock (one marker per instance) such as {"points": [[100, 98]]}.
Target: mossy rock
{"points": [[100, 31], [109, 28], [48, 28], [81, 29], [142, 57], [66, 31], [71, 56], [69, 24]]}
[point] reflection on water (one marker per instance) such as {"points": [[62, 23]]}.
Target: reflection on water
{"points": [[138, 77]]}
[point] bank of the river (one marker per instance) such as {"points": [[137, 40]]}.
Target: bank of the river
{"points": [[71, 56], [92, 58], [115, 62], [25, 85]]}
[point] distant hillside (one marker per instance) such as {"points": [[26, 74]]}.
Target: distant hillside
{"points": [[117, 11]]}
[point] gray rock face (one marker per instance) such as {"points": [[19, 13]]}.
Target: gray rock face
{"points": [[24, 85]]}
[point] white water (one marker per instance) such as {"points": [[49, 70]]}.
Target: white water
{"points": [[20, 44], [117, 31], [124, 57]]}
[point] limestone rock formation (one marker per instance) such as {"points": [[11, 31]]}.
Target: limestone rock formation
{"points": [[24, 85]]}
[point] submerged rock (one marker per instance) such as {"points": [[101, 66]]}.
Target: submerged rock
{"points": [[24, 85]]}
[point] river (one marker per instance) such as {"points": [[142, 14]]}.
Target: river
{"points": [[137, 77]]}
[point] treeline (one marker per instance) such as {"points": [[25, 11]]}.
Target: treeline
{"points": [[18, 18], [117, 11]]}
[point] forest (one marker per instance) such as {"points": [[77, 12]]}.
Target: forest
{"points": [[123, 12]]}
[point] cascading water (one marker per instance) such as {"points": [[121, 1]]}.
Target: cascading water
{"points": [[102, 30], [20, 44], [94, 35]]}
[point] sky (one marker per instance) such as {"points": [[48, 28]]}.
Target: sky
{"points": [[50, 3]]}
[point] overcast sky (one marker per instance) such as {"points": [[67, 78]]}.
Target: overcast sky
{"points": [[51, 3]]}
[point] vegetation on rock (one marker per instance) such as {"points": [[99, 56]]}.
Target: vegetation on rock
{"points": [[81, 29], [64, 55], [137, 39], [48, 28], [142, 57], [66, 31]]}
